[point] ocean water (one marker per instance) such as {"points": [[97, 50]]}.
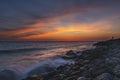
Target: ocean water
{"points": [[27, 57]]}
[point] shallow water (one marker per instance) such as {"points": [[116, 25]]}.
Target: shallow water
{"points": [[23, 57]]}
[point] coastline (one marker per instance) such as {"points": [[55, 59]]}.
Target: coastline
{"points": [[24, 59], [100, 63]]}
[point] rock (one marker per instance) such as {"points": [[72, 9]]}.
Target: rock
{"points": [[94, 53], [8, 75], [70, 78], [116, 70], [113, 61], [108, 43], [82, 78], [86, 61], [71, 53], [104, 76], [94, 68], [82, 68], [116, 78]]}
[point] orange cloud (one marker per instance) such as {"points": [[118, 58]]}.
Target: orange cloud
{"points": [[69, 32], [11, 33], [43, 23], [73, 32]]}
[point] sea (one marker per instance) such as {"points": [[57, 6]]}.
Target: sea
{"points": [[28, 57]]}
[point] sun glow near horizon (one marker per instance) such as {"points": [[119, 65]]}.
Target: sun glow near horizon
{"points": [[74, 20], [71, 32]]}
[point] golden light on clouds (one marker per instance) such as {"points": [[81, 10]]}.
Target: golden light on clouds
{"points": [[60, 20], [55, 30], [72, 32]]}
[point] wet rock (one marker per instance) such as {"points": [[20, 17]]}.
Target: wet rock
{"points": [[83, 78], [116, 70], [70, 78], [112, 61], [8, 75], [104, 76], [86, 61], [94, 53], [71, 53], [116, 78]]}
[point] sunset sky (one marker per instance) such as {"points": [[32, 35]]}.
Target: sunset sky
{"points": [[59, 20]]}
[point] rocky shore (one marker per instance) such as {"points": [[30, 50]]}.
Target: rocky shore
{"points": [[99, 63]]}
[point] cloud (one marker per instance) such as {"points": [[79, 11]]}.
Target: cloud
{"points": [[42, 23], [72, 30], [13, 33], [44, 19], [44, 9]]}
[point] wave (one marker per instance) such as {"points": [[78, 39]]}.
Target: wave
{"points": [[21, 50], [46, 66]]}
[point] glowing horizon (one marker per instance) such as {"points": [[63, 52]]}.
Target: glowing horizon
{"points": [[76, 20]]}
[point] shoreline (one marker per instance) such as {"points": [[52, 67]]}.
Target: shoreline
{"points": [[100, 63], [22, 64], [86, 64]]}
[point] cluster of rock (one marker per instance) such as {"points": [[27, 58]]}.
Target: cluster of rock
{"points": [[100, 63]]}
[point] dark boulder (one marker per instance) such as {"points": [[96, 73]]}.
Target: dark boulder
{"points": [[104, 76], [83, 78], [116, 70], [71, 53]]}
